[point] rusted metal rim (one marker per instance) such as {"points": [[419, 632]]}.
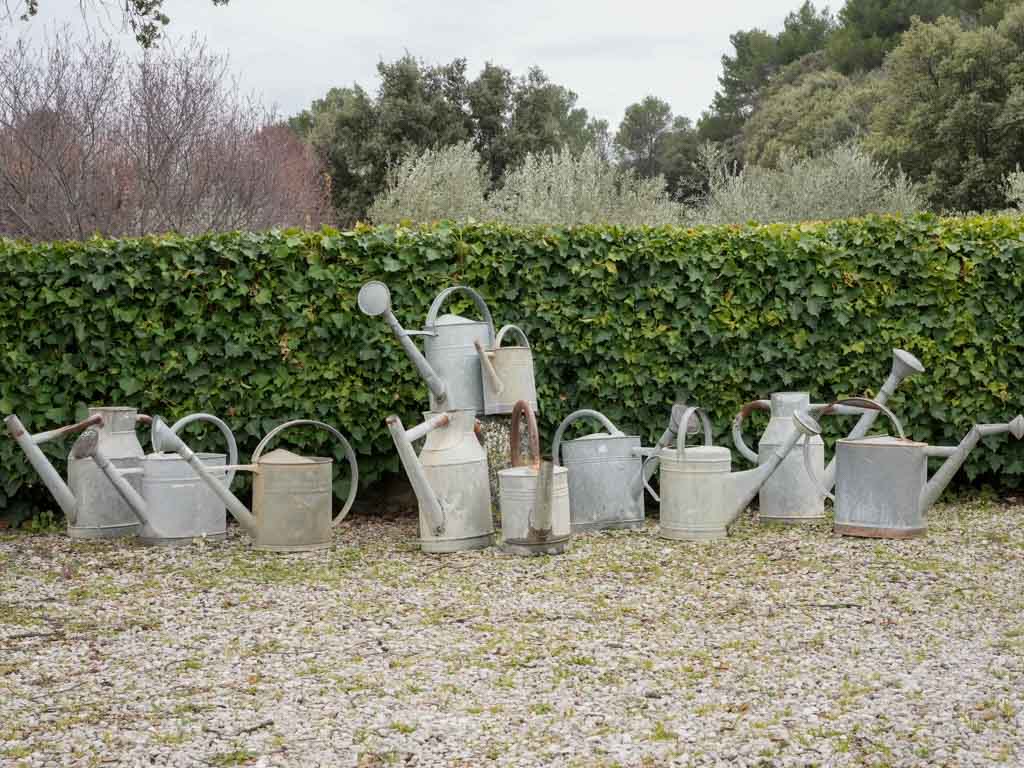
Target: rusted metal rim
{"points": [[879, 533], [522, 407]]}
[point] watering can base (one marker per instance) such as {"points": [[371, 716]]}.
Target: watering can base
{"points": [[880, 533], [790, 519], [692, 534], [179, 541], [518, 547], [103, 531], [609, 525], [445, 546], [292, 548]]}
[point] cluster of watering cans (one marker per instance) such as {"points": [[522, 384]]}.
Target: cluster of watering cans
{"points": [[174, 495]]}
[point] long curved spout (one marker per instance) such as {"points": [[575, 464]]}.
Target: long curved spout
{"points": [[414, 469], [165, 439], [434, 382], [50, 477], [955, 457], [904, 365], [88, 446], [746, 484]]}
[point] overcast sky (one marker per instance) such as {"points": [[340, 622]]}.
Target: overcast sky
{"points": [[610, 53]]}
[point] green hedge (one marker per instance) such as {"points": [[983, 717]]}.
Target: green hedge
{"points": [[264, 327]]}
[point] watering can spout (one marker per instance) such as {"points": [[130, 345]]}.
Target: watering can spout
{"points": [[404, 439], [88, 446], [51, 478], [165, 440], [955, 457], [747, 484]]}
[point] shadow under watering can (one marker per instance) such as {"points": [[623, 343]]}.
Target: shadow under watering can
{"points": [[175, 506], [292, 495], [881, 482], [450, 363]]}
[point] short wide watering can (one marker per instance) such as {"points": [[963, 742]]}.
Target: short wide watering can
{"points": [[508, 373], [175, 505], [93, 507], [451, 363], [450, 480], [292, 495], [882, 485], [789, 495], [534, 498], [700, 495], [606, 483]]}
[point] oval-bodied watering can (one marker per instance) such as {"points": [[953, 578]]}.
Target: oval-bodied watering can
{"points": [[882, 485], [508, 373], [606, 482], [789, 495], [450, 363], [700, 494], [450, 480], [92, 506], [292, 495], [534, 497], [175, 505]]}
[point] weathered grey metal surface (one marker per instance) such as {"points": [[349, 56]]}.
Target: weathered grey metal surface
{"points": [[507, 373], [450, 480], [93, 507], [450, 349], [700, 496], [606, 482], [534, 497]]}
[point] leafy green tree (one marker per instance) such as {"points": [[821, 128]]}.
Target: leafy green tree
{"points": [[490, 106], [642, 126]]}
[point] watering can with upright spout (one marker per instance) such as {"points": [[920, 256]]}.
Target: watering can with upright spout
{"points": [[292, 495], [92, 506], [451, 363], [882, 485]]}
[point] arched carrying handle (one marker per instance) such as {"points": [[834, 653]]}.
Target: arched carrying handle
{"points": [[518, 410], [556, 445], [443, 296], [681, 434], [229, 437], [518, 332], [349, 455], [737, 427]]}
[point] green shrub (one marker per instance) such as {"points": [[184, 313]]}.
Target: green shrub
{"points": [[258, 328]]}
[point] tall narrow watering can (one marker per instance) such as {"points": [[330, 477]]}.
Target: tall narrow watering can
{"points": [[175, 506], [508, 373], [534, 498], [882, 485], [292, 495], [700, 495], [450, 480], [606, 482], [451, 365], [93, 507], [789, 495]]}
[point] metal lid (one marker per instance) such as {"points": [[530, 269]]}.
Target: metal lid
{"points": [[883, 440], [281, 456], [701, 453], [600, 436], [457, 320]]}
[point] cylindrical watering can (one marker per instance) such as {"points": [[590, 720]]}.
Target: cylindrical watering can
{"points": [[93, 507], [508, 373], [450, 363], [175, 505], [534, 497], [606, 484], [882, 485], [700, 494], [789, 495], [292, 495], [450, 480]]}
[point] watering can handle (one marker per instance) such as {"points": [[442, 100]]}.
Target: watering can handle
{"points": [[443, 296], [229, 437], [349, 455], [488, 367], [868, 404], [556, 445], [681, 434], [737, 427], [518, 410], [518, 331], [809, 468]]}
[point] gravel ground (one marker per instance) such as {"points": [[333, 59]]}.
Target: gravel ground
{"points": [[775, 647]]}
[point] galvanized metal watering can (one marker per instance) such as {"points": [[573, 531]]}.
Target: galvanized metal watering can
{"points": [[292, 495], [450, 480], [93, 507], [508, 373], [451, 364], [175, 505], [534, 498], [789, 495], [882, 485], [606, 482], [700, 495]]}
